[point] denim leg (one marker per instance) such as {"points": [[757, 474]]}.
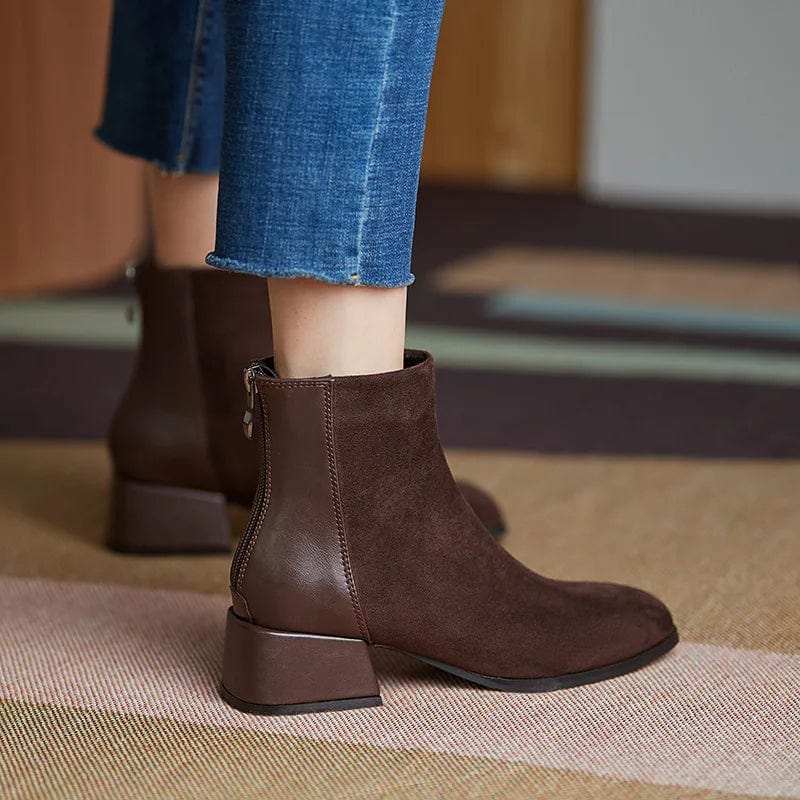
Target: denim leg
{"points": [[165, 83], [325, 106]]}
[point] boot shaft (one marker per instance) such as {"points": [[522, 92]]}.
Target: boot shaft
{"points": [[158, 434], [359, 536], [177, 423], [232, 328], [343, 459]]}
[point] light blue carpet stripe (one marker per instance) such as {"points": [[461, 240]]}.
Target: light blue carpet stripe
{"points": [[94, 322], [102, 323], [516, 353], [600, 311]]}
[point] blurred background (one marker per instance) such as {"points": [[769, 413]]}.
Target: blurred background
{"points": [[608, 273], [610, 192]]}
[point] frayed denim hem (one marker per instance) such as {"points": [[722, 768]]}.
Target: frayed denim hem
{"points": [[136, 151], [265, 271]]}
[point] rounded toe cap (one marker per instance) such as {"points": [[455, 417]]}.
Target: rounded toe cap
{"points": [[641, 621], [621, 623]]}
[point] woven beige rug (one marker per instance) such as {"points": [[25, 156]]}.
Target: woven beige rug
{"points": [[109, 663]]}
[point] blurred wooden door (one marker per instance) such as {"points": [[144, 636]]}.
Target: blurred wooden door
{"points": [[506, 94], [71, 212]]}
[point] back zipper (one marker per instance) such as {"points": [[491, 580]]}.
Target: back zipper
{"points": [[261, 498]]}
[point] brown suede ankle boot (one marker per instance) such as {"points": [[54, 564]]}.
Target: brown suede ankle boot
{"points": [[359, 536], [176, 439]]}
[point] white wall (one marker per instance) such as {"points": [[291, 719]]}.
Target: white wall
{"points": [[695, 102]]}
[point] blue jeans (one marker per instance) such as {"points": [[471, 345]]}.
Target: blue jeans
{"points": [[324, 114]]}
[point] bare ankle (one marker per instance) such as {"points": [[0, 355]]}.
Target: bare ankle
{"points": [[322, 329], [183, 211]]}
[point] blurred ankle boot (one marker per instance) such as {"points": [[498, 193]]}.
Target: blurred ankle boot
{"points": [[176, 439], [360, 537]]}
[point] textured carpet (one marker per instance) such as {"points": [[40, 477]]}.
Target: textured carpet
{"points": [[109, 663]]}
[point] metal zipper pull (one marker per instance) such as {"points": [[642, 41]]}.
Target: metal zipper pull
{"points": [[130, 276], [250, 389]]}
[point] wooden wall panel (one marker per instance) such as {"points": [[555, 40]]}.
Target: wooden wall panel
{"points": [[71, 211], [505, 98]]}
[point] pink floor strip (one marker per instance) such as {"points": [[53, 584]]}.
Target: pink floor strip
{"points": [[703, 717]]}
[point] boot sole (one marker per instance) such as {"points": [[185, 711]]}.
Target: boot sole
{"points": [[557, 682], [292, 709], [274, 673]]}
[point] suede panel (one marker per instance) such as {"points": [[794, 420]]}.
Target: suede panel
{"points": [[429, 579]]}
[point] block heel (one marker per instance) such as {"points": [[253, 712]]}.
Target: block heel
{"points": [[149, 518], [271, 672]]}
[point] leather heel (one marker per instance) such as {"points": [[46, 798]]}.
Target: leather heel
{"points": [[265, 671], [148, 518]]}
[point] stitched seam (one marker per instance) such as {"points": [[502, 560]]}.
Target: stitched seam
{"points": [[296, 384], [187, 133], [337, 511], [367, 201], [411, 356], [290, 383], [245, 560]]}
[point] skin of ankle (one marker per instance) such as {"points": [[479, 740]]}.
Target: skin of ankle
{"points": [[183, 217], [322, 329]]}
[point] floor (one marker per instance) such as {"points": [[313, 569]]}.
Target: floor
{"points": [[626, 382]]}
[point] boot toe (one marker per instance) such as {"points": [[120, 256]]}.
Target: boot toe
{"points": [[640, 622], [617, 623], [659, 618]]}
